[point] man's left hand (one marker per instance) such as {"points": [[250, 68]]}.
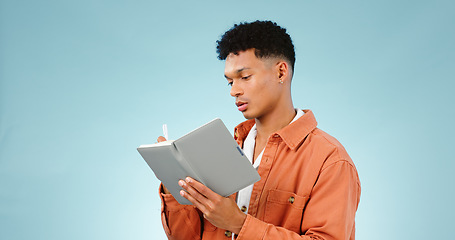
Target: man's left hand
{"points": [[220, 211]]}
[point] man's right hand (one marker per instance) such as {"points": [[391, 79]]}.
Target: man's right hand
{"points": [[162, 139]]}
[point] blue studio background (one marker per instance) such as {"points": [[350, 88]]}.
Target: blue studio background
{"points": [[83, 83]]}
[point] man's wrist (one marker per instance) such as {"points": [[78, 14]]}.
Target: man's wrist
{"points": [[236, 229]]}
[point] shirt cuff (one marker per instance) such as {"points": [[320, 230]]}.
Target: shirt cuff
{"points": [[168, 202], [252, 228]]}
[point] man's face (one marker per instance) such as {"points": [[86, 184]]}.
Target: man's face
{"points": [[254, 82]]}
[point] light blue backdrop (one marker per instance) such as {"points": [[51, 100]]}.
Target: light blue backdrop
{"points": [[83, 83]]}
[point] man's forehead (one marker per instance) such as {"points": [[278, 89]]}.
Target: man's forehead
{"points": [[239, 57], [237, 63], [241, 61]]}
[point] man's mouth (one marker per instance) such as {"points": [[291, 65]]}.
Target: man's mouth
{"points": [[241, 106]]}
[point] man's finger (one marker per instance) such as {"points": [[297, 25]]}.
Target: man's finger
{"points": [[195, 202], [161, 139], [201, 188], [194, 193]]}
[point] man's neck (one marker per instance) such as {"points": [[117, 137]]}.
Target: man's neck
{"points": [[273, 122]]}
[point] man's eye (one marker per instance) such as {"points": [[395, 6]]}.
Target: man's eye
{"points": [[230, 83], [246, 77]]}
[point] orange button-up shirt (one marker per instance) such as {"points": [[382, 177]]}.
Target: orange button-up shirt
{"points": [[309, 189]]}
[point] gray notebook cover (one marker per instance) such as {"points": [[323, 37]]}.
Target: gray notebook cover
{"points": [[208, 154]]}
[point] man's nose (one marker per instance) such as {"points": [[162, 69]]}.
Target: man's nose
{"points": [[236, 90]]}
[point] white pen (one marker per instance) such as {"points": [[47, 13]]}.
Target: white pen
{"points": [[165, 132]]}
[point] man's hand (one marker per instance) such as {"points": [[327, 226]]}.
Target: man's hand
{"points": [[162, 139], [220, 211]]}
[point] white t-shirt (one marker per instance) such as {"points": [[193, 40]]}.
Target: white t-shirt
{"points": [[244, 195]]}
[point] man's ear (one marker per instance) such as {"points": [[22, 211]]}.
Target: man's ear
{"points": [[282, 69]]}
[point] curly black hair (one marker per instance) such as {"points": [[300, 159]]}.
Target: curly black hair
{"points": [[266, 37]]}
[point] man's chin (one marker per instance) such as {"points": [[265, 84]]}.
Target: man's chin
{"points": [[248, 116]]}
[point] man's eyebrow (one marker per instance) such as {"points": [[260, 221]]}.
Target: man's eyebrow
{"points": [[242, 69], [238, 71]]}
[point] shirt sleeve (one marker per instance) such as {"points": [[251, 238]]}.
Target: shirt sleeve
{"points": [[180, 222], [329, 214]]}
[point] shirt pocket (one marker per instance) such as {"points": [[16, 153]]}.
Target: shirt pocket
{"points": [[285, 209]]}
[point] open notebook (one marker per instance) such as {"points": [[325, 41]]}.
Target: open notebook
{"points": [[208, 154]]}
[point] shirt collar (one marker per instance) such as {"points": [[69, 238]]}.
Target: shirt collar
{"points": [[292, 135], [253, 131]]}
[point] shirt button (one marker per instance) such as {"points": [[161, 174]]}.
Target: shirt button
{"points": [[228, 234], [291, 199], [243, 209]]}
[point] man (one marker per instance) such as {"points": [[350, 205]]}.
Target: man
{"points": [[309, 187]]}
